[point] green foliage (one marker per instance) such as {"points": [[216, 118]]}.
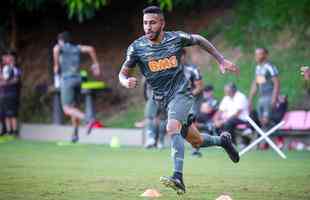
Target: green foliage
{"points": [[84, 9], [81, 9], [164, 4], [125, 119], [278, 25], [265, 15], [30, 5], [37, 104], [170, 4]]}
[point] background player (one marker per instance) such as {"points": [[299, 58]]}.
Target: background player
{"points": [[67, 64], [192, 73], [305, 71], [267, 84], [155, 121], [158, 55]]}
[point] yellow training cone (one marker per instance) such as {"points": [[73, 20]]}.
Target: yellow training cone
{"points": [[115, 142]]}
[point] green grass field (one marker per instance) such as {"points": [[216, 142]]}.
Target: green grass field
{"points": [[31, 170]]}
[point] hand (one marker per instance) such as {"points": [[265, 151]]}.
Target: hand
{"points": [[273, 103], [132, 82], [305, 71], [95, 69], [218, 123], [250, 107], [226, 65]]}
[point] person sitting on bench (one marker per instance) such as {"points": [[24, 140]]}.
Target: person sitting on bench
{"points": [[233, 110]]}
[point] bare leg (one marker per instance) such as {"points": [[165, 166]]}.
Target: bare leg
{"points": [[14, 123], [76, 116], [264, 122], [194, 137], [4, 130], [8, 125], [74, 112], [75, 123], [197, 140], [205, 140]]}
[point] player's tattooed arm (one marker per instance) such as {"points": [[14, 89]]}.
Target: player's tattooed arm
{"points": [[208, 46], [124, 77]]}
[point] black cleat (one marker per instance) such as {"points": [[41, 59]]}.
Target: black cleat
{"points": [[229, 147], [196, 153], [90, 125], [174, 183], [74, 138]]}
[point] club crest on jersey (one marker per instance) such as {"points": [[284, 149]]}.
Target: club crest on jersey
{"points": [[163, 64]]}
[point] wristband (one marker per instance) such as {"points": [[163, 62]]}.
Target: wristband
{"points": [[56, 81], [94, 66]]}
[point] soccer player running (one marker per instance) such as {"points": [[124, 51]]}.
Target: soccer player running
{"points": [[157, 54], [66, 57]]}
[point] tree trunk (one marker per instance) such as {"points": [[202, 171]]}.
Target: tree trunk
{"points": [[13, 36]]}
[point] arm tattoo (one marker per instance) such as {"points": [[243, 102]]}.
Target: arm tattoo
{"points": [[207, 46]]}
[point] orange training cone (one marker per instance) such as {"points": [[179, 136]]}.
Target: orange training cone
{"points": [[224, 197], [150, 193]]}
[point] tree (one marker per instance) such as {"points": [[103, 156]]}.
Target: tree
{"points": [[81, 9], [170, 4]]}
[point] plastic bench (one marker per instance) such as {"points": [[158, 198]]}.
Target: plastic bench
{"points": [[296, 123]]}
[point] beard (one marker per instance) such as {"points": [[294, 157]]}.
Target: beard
{"points": [[153, 36]]}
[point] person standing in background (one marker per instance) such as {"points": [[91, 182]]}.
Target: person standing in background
{"points": [[305, 72], [267, 85], [11, 82], [2, 116]]}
